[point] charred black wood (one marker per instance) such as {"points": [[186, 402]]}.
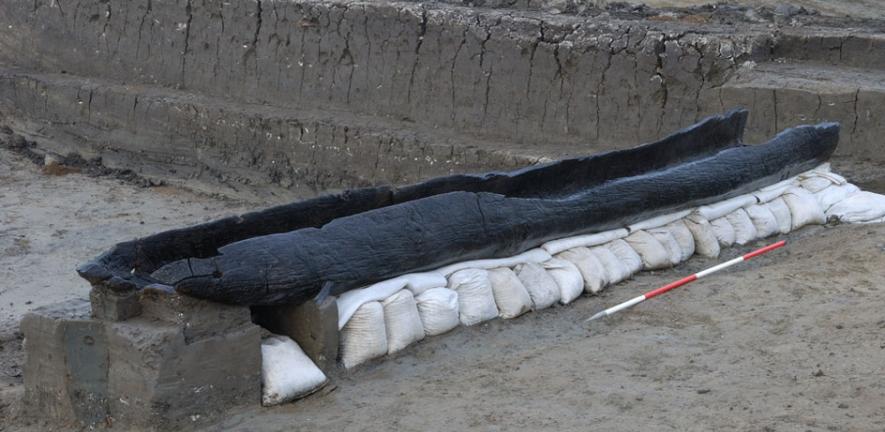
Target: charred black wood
{"points": [[129, 265], [480, 221]]}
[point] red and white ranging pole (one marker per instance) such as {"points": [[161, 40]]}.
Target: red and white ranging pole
{"points": [[686, 280]]}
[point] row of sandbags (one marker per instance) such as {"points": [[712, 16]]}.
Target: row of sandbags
{"points": [[469, 296], [389, 316], [393, 314]]}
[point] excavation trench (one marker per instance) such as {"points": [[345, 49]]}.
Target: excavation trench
{"points": [[360, 127]]}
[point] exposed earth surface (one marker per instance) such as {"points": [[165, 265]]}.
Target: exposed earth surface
{"points": [[791, 341]]}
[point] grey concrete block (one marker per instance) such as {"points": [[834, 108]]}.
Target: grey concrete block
{"points": [[66, 363], [160, 380], [178, 364], [197, 319], [114, 306], [314, 325]]}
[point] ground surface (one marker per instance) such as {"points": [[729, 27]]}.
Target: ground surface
{"points": [[50, 224], [792, 341]]}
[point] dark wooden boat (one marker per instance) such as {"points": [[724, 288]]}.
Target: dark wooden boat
{"points": [[285, 254]]}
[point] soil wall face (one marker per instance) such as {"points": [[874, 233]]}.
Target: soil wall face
{"points": [[521, 83], [503, 73]]}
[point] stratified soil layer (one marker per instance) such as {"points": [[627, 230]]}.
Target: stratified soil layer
{"points": [[270, 100]]}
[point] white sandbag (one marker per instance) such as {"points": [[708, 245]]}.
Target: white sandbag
{"points": [[769, 193], [722, 208], [683, 237], [669, 242], [658, 221], [438, 309], [815, 184], [744, 230], [535, 255], [823, 169], [804, 208], [511, 296], [541, 287], [592, 271], [350, 301], [615, 271], [417, 283], [724, 231], [833, 194], [628, 257], [834, 178], [567, 277], [364, 337], [858, 207], [705, 241], [286, 372], [556, 246], [782, 214], [403, 323], [476, 302], [763, 219], [654, 255]]}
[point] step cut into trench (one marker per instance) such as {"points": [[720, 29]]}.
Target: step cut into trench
{"points": [[287, 254]]}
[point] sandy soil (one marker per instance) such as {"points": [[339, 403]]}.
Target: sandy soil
{"points": [[792, 341], [49, 224]]}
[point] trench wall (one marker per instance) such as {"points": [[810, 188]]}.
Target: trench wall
{"points": [[426, 80]]}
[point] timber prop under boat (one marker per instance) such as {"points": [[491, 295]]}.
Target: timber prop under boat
{"points": [[288, 253]]}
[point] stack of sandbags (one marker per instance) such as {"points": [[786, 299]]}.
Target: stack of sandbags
{"points": [[391, 315]]}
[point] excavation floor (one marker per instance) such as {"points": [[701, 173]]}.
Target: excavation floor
{"points": [[791, 341]]}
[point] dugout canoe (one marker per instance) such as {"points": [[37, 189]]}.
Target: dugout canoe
{"points": [[286, 254]]}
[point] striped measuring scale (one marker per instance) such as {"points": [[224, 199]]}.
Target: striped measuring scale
{"points": [[686, 280]]}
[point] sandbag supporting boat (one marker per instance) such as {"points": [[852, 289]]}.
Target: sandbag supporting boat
{"points": [[286, 254]]}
